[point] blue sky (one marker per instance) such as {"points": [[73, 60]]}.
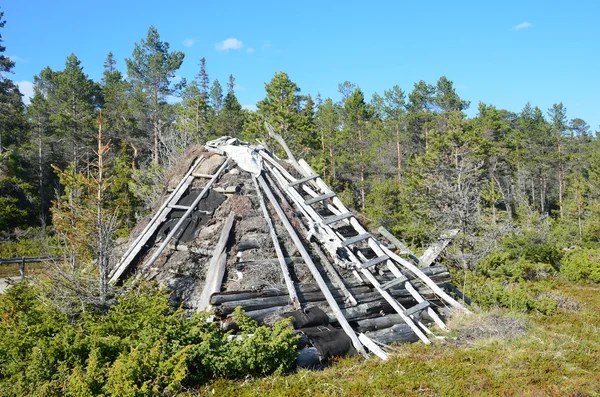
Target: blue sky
{"points": [[504, 53]]}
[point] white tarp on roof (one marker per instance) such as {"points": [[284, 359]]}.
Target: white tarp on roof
{"points": [[245, 155]]}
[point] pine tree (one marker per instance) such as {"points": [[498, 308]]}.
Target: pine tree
{"points": [[327, 124], [72, 100], [420, 107], [152, 68], [119, 119], [558, 120], [281, 108], [394, 109], [231, 117]]}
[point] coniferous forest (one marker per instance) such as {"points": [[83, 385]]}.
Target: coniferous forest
{"points": [[85, 159]]}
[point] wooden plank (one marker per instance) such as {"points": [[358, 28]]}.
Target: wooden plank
{"points": [[179, 207], [417, 308], [303, 180], [143, 238], [313, 269], [280, 256], [355, 239], [436, 248], [374, 261], [320, 198], [425, 279], [434, 316], [216, 267], [199, 175], [337, 218], [393, 282], [378, 351]]}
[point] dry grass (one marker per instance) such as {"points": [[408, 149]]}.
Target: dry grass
{"points": [[474, 327]]}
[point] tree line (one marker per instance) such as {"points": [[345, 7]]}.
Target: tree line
{"points": [[410, 160]]}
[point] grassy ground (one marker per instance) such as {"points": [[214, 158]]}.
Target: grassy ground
{"points": [[556, 355]]}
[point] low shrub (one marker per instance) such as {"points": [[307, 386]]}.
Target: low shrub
{"points": [[140, 347], [503, 265], [581, 264], [523, 296]]}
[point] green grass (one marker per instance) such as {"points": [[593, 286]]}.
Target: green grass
{"points": [[558, 355]]}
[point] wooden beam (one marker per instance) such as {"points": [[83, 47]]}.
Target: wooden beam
{"points": [[161, 214], [184, 217], [280, 257], [315, 200], [421, 276], [303, 180], [436, 248], [313, 269]]}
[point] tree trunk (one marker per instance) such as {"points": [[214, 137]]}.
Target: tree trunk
{"points": [[560, 179], [332, 161], [41, 176]]}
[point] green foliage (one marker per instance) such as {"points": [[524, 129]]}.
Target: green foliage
{"points": [[502, 265], [581, 265], [123, 198], [522, 296], [140, 347]]}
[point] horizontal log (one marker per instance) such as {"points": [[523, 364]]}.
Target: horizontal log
{"points": [[225, 297], [230, 296], [398, 333], [250, 305], [280, 300]]}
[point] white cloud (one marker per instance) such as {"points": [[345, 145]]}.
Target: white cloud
{"points": [[266, 44], [523, 25], [251, 108], [229, 44], [188, 42], [250, 50], [26, 88]]}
